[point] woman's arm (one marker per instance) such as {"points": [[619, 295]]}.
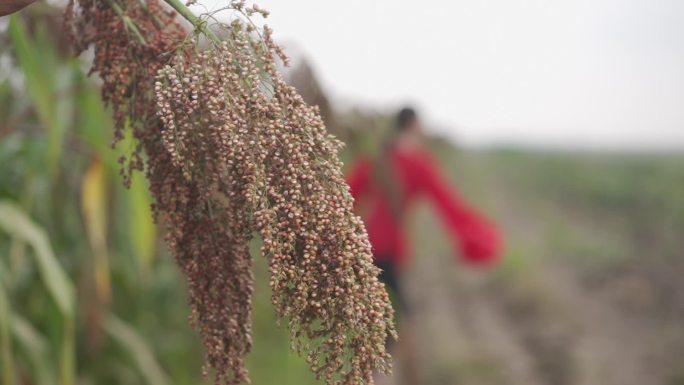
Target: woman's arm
{"points": [[358, 177], [478, 240]]}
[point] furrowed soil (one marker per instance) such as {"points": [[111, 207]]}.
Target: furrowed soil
{"points": [[590, 289]]}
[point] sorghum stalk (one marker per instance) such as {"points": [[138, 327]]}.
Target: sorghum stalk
{"points": [[232, 150], [194, 20]]}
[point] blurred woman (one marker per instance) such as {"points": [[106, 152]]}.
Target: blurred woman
{"points": [[384, 189]]}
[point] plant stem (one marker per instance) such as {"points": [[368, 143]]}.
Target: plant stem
{"points": [[127, 21], [193, 19]]}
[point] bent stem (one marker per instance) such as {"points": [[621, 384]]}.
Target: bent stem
{"points": [[130, 25], [183, 10], [199, 24]]}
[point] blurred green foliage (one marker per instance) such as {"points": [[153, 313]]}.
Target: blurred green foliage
{"points": [[641, 193]]}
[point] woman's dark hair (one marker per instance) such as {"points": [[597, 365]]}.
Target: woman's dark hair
{"points": [[383, 171], [405, 117]]}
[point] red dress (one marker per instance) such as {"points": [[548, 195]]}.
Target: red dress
{"points": [[477, 241]]}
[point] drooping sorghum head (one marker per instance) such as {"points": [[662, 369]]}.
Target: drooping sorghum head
{"points": [[231, 150], [232, 123], [210, 246], [129, 47]]}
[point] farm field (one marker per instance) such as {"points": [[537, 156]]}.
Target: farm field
{"points": [[588, 292]]}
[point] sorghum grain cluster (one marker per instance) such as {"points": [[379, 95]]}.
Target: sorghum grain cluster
{"points": [[209, 247], [232, 150], [130, 42]]}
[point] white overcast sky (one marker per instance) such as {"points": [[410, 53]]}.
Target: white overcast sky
{"points": [[574, 73]]}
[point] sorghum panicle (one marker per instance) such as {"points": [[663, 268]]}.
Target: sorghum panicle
{"points": [[232, 149], [126, 66], [210, 247]]}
